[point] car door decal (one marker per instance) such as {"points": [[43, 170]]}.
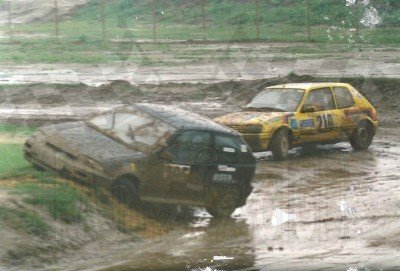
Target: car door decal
{"points": [[308, 123], [294, 124], [325, 122], [176, 173]]}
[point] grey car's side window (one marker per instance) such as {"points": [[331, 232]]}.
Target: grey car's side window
{"points": [[321, 99], [191, 147], [343, 96], [227, 148]]}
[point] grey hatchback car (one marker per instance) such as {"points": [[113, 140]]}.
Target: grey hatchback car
{"points": [[151, 153]]}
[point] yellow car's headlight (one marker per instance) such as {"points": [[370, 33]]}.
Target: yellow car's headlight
{"points": [[253, 129]]}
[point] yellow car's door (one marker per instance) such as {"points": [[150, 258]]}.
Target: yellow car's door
{"points": [[319, 119], [346, 110]]}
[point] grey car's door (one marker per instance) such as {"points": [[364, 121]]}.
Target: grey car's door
{"points": [[181, 167]]}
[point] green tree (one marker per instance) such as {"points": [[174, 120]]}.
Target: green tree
{"points": [[153, 12], [204, 17], [56, 20], [308, 20], [257, 19], [9, 19], [103, 19]]}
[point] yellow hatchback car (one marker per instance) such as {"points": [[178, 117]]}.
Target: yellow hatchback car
{"points": [[300, 114]]}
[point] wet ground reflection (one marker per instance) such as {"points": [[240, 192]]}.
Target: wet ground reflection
{"points": [[343, 208]]}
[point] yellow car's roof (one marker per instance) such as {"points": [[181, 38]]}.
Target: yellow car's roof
{"points": [[307, 86]]}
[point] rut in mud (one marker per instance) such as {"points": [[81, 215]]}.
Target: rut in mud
{"points": [[48, 102]]}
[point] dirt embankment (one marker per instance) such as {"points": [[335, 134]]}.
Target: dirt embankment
{"points": [[28, 11], [43, 102], [44, 218]]}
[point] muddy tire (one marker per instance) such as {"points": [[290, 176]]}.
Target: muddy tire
{"points": [[280, 145], [362, 136], [39, 168], [126, 192], [223, 206]]}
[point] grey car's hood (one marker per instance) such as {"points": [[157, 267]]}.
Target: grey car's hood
{"points": [[77, 138]]}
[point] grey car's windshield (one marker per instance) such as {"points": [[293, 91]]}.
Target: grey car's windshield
{"points": [[276, 99], [138, 129]]}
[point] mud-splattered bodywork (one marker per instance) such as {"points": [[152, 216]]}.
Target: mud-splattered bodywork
{"points": [[325, 126], [139, 142]]}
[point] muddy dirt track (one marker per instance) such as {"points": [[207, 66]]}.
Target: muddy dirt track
{"points": [[213, 61], [344, 205]]}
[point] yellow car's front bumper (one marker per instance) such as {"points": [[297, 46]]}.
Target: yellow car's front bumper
{"points": [[257, 142]]}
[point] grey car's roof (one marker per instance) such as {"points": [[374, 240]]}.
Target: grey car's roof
{"points": [[181, 118]]}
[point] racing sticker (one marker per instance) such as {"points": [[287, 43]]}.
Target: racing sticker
{"points": [[294, 124], [307, 123], [287, 117], [325, 122], [226, 168], [276, 119], [358, 94], [227, 149], [177, 173], [133, 167], [223, 178]]}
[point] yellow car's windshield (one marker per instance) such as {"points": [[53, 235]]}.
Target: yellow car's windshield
{"points": [[277, 99]]}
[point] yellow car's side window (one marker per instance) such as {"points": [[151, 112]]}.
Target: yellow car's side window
{"points": [[321, 99], [343, 96]]}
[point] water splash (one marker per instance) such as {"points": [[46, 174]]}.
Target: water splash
{"points": [[346, 209], [345, 31], [206, 269], [371, 18], [222, 258], [354, 2]]}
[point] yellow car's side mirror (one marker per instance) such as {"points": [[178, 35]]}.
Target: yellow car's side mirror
{"points": [[309, 109]]}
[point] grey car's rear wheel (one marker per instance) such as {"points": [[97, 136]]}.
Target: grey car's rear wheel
{"points": [[38, 167], [362, 136], [280, 145], [224, 206], [127, 192]]}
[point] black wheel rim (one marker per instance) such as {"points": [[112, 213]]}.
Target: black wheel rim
{"points": [[363, 135], [284, 145]]}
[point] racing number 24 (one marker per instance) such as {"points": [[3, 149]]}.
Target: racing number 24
{"points": [[325, 122]]}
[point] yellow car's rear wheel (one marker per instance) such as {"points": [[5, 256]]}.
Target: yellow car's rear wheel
{"points": [[280, 145], [362, 136]]}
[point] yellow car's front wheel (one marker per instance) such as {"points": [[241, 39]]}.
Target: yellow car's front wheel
{"points": [[280, 145]]}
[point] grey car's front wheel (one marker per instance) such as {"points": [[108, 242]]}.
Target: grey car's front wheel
{"points": [[280, 145], [126, 191], [224, 205], [362, 136]]}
